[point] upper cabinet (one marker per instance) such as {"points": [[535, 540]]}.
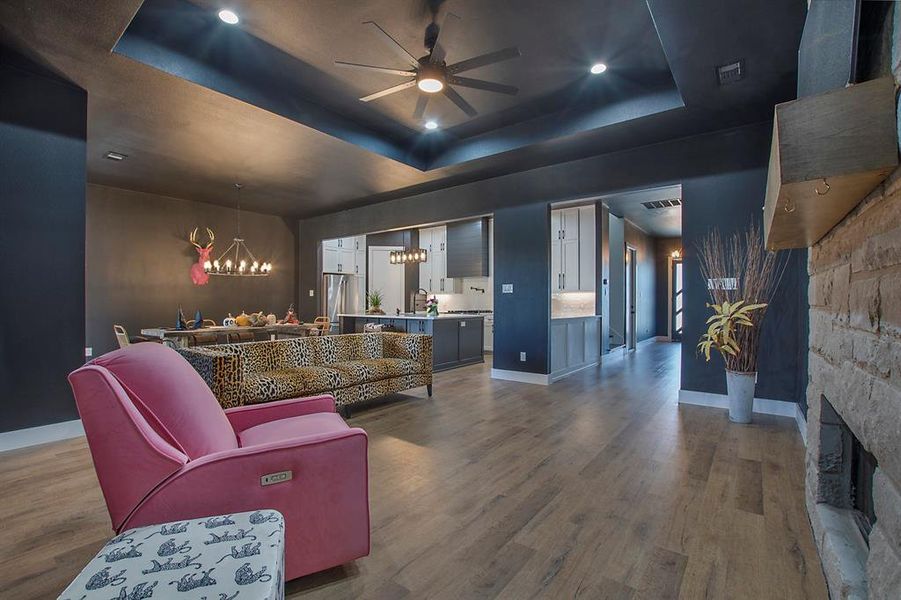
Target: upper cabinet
{"points": [[433, 272], [573, 249], [828, 152], [344, 255], [467, 248]]}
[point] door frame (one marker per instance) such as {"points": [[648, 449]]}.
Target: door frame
{"points": [[369, 262], [631, 297], [671, 294]]}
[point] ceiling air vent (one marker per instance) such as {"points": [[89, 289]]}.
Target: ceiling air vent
{"points": [[662, 203], [730, 73]]}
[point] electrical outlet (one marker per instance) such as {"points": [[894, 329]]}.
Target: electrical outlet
{"points": [[88, 352], [507, 288], [311, 293], [522, 357]]}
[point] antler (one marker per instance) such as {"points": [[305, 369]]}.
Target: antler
{"points": [[193, 237], [212, 237]]}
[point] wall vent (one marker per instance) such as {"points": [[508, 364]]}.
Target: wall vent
{"points": [[662, 203], [730, 73]]}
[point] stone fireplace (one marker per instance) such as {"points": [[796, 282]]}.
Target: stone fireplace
{"points": [[854, 398]]}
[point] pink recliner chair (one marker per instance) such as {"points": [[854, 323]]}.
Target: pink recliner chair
{"points": [[165, 451]]}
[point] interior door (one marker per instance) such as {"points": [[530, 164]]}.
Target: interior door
{"points": [[631, 298], [387, 278]]}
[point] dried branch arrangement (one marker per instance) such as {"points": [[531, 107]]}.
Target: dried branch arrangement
{"points": [[742, 259]]}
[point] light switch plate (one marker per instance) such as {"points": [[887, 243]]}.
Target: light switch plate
{"points": [[88, 352], [522, 357], [311, 293], [507, 288]]}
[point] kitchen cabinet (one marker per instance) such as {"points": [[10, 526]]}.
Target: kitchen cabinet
{"points": [[573, 250], [344, 255], [433, 272], [456, 340]]}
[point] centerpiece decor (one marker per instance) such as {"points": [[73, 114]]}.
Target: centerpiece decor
{"points": [[237, 260], [374, 298], [742, 277], [431, 307]]}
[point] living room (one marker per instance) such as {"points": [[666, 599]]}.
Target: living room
{"points": [[439, 298]]}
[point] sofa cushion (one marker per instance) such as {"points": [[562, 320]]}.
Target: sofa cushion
{"points": [[292, 428], [292, 383], [374, 369], [339, 348]]}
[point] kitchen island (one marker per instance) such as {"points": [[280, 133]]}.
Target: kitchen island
{"points": [[457, 339]]}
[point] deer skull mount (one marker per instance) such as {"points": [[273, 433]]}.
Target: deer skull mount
{"points": [[199, 269]]}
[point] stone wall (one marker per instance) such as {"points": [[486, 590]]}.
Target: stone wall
{"points": [[855, 364]]}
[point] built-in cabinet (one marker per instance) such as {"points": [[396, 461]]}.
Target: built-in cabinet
{"points": [[573, 249], [433, 272], [575, 344], [344, 255]]}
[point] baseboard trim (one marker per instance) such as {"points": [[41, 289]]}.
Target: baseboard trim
{"points": [[32, 436], [764, 406], [558, 375], [521, 376], [801, 421]]}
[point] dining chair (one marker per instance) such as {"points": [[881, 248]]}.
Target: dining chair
{"points": [[200, 338], [323, 325], [125, 340]]}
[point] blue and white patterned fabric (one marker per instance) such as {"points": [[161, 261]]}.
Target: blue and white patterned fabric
{"points": [[226, 557]]}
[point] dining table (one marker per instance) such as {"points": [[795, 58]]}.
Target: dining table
{"points": [[184, 338]]}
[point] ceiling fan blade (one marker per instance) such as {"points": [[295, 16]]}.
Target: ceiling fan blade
{"points": [[388, 91], [484, 60], [445, 36], [394, 44], [389, 70], [459, 101], [480, 84], [420, 106]]}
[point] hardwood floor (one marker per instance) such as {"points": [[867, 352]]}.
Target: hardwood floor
{"points": [[599, 486]]}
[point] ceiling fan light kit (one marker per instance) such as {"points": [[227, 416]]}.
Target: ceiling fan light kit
{"points": [[431, 74]]}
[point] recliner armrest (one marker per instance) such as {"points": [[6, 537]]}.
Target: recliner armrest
{"points": [[251, 415]]}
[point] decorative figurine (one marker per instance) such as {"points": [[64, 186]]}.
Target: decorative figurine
{"points": [[290, 317], [271, 319], [180, 324], [242, 320], [200, 271], [229, 321], [431, 307], [198, 320]]}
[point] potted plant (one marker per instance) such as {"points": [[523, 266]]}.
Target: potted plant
{"points": [[431, 307], [741, 277], [374, 299]]}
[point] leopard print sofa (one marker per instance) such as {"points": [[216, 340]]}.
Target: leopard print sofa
{"points": [[353, 367]]}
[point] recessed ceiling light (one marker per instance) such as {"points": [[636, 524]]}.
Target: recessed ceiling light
{"points": [[430, 125], [228, 16], [598, 68], [115, 155]]}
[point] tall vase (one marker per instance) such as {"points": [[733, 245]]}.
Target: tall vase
{"points": [[740, 387]]}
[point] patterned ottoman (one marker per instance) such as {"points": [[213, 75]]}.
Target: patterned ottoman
{"points": [[239, 556]]}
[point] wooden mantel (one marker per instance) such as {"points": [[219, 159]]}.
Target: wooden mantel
{"points": [[828, 152]]}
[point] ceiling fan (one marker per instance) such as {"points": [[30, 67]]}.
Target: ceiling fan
{"points": [[431, 74]]}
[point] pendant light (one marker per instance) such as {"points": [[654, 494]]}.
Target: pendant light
{"points": [[238, 260]]}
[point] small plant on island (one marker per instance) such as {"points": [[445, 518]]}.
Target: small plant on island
{"points": [[374, 298]]}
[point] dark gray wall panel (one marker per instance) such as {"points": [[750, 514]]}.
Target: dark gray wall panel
{"points": [[467, 248], [139, 260], [522, 238], [43, 123], [730, 201]]}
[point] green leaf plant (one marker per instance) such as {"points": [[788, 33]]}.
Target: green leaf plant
{"points": [[723, 328]]}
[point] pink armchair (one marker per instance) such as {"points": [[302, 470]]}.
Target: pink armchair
{"points": [[164, 450]]}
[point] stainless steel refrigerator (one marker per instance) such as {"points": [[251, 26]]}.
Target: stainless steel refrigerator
{"points": [[341, 293]]}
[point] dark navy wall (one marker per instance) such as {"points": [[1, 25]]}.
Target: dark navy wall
{"points": [[729, 202], [43, 122], [522, 241]]}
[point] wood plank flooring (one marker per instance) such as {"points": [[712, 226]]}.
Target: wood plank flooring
{"points": [[599, 486]]}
